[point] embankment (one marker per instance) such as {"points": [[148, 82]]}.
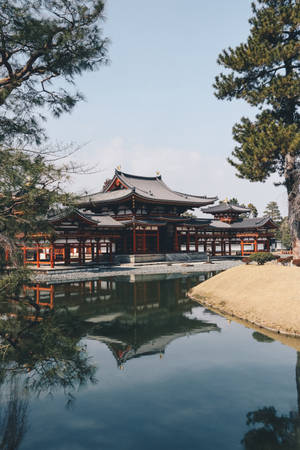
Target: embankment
{"points": [[267, 296]]}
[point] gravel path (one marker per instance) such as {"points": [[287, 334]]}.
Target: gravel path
{"points": [[127, 270]]}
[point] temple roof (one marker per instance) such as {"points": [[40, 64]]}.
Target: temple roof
{"points": [[224, 208], [151, 189], [85, 216], [257, 222]]}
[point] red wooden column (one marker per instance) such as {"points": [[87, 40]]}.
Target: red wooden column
{"points": [[255, 245], [134, 239], [242, 247], [213, 247], [97, 250], [229, 244], [187, 243], [157, 240], [93, 251], [80, 251], [83, 252], [196, 243], [268, 245], [110, 252], [52, 256], [37, 255]]}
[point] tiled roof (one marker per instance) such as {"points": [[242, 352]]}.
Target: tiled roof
{"points": [[257, 222], [148, 188], [225, 208], [98, 221]]}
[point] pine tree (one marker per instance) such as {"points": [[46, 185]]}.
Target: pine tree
{"points": [[44, 42], [272, 210], [253, 210], [284, 234], [264, 71]]}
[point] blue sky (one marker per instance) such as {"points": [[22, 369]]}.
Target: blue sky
{"points": [[152, 108]]}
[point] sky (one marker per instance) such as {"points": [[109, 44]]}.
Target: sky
{"points": [[153, 107]]}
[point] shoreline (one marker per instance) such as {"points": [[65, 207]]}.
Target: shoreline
{"points": [[266, 297], [126, 270]]}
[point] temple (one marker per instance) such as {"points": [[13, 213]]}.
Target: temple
{"points": [[135, 215]]}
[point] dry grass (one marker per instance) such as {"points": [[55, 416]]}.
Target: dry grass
{"points": [[268, 296]]}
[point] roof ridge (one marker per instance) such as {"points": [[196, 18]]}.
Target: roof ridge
{"points": [[138, 177]]}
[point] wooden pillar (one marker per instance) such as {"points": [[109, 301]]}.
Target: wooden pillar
{"points": [[144, 240], [187, 243], [255, 245], [213, 247], [37, 255], [80, 251], [83, 251], [134, 239], [224, 247], [67, 254], [93, 251], [229, 247], [157, 240], [242, 247], [51, 296], [97, 250], [268, 244], [52, 263], [176, 241], [110, 251], [196, 243], [37, 294]]}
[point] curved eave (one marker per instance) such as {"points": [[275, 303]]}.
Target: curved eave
{"points": [[57, 219], [187, 202]]}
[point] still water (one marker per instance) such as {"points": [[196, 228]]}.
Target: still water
{"points": [[133, 363]]}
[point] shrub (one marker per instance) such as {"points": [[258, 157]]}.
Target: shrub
{"points": [[262, 257]]}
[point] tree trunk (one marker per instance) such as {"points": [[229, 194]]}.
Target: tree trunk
{"points": [[292, 182]]}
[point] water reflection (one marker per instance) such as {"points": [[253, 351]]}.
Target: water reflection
{"points": [[270, 429], [43, 351]]}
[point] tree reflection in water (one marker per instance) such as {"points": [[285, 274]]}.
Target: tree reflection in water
{"points": [[272, 431], [13, 417]]}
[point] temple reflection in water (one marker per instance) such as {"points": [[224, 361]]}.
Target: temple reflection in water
{"points": [[133, 317]]}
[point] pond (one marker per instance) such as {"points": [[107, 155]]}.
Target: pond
{"points": [[133, 363]]}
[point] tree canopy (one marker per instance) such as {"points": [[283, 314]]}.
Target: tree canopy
{"points": [[264, 72], [43, 41], [272, 210]]}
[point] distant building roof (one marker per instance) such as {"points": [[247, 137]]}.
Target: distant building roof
{"points": [[257, 222], [151, 189], [224, 208]]}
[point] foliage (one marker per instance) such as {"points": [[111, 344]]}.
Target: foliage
{"points": [[264, 72], [231, 201], [259, 337], [272, 210], [285, 234], [43, 343], [276, 432], [29, 187], [261, 257], [42, 41], [253, 210]]}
